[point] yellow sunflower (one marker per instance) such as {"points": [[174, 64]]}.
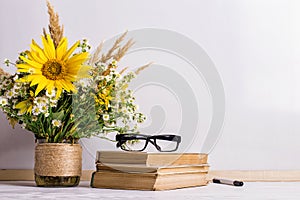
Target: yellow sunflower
{"points": [[53, 68]]}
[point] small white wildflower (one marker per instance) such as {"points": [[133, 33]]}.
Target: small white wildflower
{"points": [[3, 101], [112, 124], [47, 114], [112, 72], [16, 78], [56, 123], [36, 110], [136, 107], [44, 109], [53, 104], [18, 85], [23, 126], [131, 100], [130, 110], [16, 91], [7, 82], [108, 77], [51, 94], [105, 117], [34, 118], [40, 101], [9, 94]]}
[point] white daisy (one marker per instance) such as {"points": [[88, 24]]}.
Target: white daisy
{"points": [[52, 94], [9, 94], [3, 101], [44, 108], [105, 117], [23, 126], [16, 78], [17, 85], [40, 101], [34, 118], [56, 123], [36, 110]]}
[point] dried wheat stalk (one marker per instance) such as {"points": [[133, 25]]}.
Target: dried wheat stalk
{"points": [[109, 55], [123, 70], [95, 57], [2, 72], [45, 33], [143, 67], [122, 50], [56, 31]]}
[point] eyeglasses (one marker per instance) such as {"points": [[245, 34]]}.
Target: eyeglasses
{"points": [[139, 142]]}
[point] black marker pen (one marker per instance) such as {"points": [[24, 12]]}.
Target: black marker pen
{"points": [[228, 182]]}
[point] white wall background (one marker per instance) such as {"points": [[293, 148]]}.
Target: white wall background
{"points": [[255, 45]]}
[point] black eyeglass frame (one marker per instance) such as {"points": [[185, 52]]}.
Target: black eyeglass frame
{"points": [[123, 138]]}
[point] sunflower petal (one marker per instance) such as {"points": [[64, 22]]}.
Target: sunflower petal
{"points": [[50, 86], [42, 84], [84, 72], [31, 63], [39, 51], [78, 58], [70, 51], [34, 56], [49, 48], [61, 48]]}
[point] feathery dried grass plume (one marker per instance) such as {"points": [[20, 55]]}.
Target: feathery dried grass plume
{"points": [[142, 68], [123, 70], [95, 57], [56, 31], [122, 50], [109, 55], [2, 72]]}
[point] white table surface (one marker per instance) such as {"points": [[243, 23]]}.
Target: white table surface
{"points": [[250, 190]]}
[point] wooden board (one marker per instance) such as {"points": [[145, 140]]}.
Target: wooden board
{"points": [[244, 175]]}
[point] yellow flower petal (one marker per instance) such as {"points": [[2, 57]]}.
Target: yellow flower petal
{"points": [[42, 84], [38, 50], [49, 48], [70, 51], [61, 48], [78, 59]]}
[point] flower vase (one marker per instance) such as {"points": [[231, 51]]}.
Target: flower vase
{"points": [[57, 164]]}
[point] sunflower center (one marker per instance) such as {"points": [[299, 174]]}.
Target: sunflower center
{"points": [[53, 70]]}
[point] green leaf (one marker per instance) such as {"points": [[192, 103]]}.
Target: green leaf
{"points": [[58, 115]]}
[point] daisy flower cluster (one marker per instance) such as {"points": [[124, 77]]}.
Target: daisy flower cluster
{"points": [[18, 101], [114, 108], [62, 93], [10, 94]]}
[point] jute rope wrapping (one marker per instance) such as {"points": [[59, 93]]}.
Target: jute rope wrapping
{"points": [[58, 159]]}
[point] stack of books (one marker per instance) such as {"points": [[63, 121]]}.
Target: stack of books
{"points": [[149, 171]]}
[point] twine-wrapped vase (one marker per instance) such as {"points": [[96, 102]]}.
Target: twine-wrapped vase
{"points": [[57, 164]]}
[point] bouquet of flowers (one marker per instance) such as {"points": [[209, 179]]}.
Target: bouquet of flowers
{"points": [[63, 94]]}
